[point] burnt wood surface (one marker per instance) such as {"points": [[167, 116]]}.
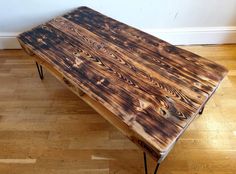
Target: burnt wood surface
{"points": [[152, 87]]}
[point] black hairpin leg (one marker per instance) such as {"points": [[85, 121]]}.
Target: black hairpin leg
{"points": [[145, 164], [201, 111], [40, 70]]}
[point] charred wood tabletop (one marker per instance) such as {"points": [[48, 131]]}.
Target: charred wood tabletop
{"points": [[149, 89]]}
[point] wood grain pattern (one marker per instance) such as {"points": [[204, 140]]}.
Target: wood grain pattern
{"points": [[153, 88]]}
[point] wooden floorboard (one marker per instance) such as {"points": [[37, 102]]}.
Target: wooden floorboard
{"points": [[45, 128]]}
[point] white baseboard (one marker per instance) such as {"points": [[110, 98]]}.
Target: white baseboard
{"points": [[196, 35], [176, 36], [9, 41]]}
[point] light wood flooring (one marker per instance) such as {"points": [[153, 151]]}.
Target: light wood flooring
{"points": [[46, 129]]}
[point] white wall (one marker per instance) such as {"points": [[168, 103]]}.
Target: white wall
{"points": [[179, 21]]}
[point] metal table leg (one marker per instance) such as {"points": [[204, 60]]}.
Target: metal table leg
{"points": [[40, 70], [145, 164], [201, 111]]}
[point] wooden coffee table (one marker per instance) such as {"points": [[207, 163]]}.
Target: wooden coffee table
{"points": [[147, 88]]}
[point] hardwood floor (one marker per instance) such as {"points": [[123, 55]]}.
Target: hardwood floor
{"points": [[45, 128]]}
